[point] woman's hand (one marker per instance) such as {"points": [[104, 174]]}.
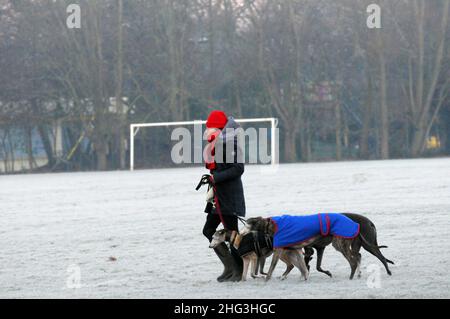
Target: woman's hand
{"points": [[205, 179]]}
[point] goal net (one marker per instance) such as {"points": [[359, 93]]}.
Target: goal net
{"points": [[170, 144]]}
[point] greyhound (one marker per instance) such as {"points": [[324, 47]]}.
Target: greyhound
{"points": [[369, 231], [348, 247], [254, 248]]}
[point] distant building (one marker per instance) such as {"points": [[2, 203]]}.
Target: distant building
{"points": [[14, 156]]}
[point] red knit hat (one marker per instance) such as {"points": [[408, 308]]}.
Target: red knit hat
{"points": [[216, 119]]}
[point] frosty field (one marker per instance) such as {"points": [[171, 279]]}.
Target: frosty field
{"points": [[150, 221]]}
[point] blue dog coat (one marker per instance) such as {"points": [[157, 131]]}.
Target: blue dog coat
{"points": [[293, 230]]}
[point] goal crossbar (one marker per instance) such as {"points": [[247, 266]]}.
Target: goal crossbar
{"points": [[134, 129]]}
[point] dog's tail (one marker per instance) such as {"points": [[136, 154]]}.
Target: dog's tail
{"points": [[364, 240], [374, 250], [387, 260], [379, 247]]}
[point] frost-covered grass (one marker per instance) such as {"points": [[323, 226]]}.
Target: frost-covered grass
{"points": [[151, 221]]}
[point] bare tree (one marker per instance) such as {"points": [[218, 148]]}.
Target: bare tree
{"points": [[425, 63]]}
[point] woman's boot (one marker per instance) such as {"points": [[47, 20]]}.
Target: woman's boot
{"points": [[237, 266], [227, 260]]}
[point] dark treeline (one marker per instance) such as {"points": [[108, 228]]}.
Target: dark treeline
{"points": [[339, 89]]}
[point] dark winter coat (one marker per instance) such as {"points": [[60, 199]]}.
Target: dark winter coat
{"points": [[228, 171]]}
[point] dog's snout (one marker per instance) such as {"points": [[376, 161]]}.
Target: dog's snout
{"points": [[245, 230], [213, 244]]}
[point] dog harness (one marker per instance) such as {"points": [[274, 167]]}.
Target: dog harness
{"points": [[294, 230], [254, 242]]}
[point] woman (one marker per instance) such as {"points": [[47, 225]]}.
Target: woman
{"points": [[229, 203]]}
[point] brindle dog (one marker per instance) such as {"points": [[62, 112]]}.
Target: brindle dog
{"points": [[367, 239]]}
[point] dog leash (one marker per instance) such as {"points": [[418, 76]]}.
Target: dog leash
{"points": [[268, 241], [256, 244], [204, 180], [242, 220]]}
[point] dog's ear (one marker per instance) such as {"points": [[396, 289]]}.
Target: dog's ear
{"points": [[260, 224], [264, 225], [270, 226], [251, 222], [256, 223]]}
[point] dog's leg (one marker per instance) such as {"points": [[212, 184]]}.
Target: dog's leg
{"points": [[343, 246], [255, 262], [262, 262], [320, 251], [289, 266], [308, 255], [353, 265], [276, 255], [355, 247], [358, 265], [374, 250], [299, 261], [246, 261], [257, 265]]}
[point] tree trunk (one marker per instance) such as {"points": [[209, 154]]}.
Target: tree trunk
{"points": [[418, 138], [211, 42], [338, 132], [237, 98], [47, 145], [5, 150], [424, 98], [11, 148], [44, 135], [305, 142], [101, 131], [364, 140], [102, 156], [119, 83], [29, 147], [384, 118], [290, 146]]}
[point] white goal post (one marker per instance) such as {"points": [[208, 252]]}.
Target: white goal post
{"points": [[134, 129]]}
